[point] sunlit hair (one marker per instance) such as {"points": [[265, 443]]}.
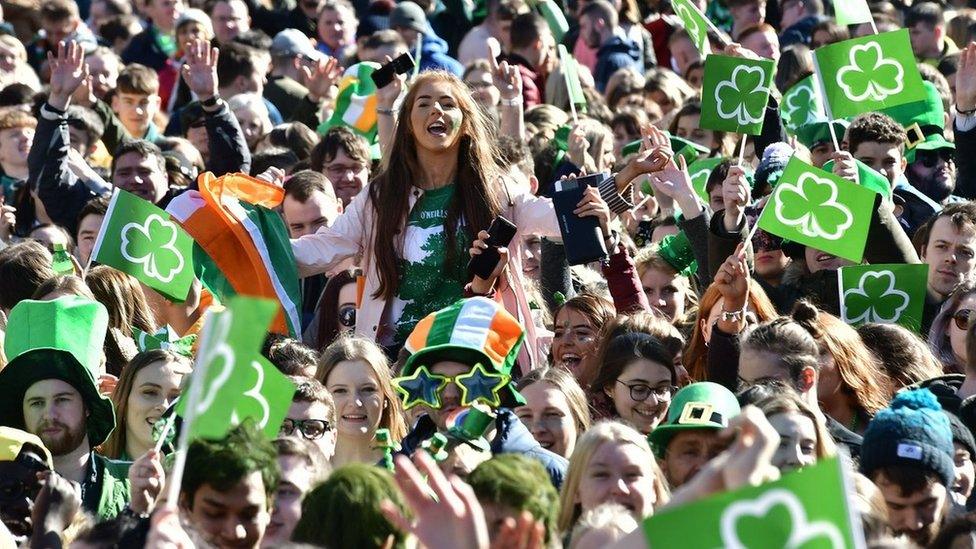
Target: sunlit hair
{"points": [[939, 332], [563, 380], [904, 356], [476, 197], [649, 259], [788, 402], [695, 357], [123, 297], [861, 377], [114, 446], [587, 445], [347, 348]]}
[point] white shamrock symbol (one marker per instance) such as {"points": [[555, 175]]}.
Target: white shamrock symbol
{"points": [[860, 83], [802, 100], [739, 110], [165, 232], [819, 216], [211, 353], [691, 24], [802, 532], [884, 307]]}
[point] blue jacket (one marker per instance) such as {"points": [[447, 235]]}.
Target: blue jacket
{"points": [[433, 56], [613, 55], [511, 437]]}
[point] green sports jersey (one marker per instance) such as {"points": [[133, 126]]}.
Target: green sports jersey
{"points": [[426, 283]]}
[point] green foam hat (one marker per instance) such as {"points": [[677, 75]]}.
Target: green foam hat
{"points": [[924, 122], [703, 405], [675, 250], [815, 133], [57, 339]]}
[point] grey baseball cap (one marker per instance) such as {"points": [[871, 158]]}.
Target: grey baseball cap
{"points": [[293, 43]]}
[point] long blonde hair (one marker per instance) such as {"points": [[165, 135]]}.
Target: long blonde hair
{"points": [[354, 348], [586, 446]]}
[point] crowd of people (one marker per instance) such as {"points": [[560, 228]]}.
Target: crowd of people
{"points": [[530, 404]]}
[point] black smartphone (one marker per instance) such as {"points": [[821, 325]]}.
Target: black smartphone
{"points": [[385, 74], [500, 234]]}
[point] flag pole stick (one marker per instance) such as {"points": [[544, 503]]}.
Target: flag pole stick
{"points": [[742, 148], [752, 231], [101, 233], [833, 135], [170, 421], [569, 87], [196, 388]]}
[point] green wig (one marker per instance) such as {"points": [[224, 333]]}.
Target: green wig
{"points": [[520, 483]]}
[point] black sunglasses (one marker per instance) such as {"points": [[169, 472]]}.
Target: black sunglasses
{"points": [[963, 318], [929, 159], [347, 316], [311, 429]]}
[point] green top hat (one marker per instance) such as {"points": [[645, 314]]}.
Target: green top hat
{"points": [[675, 250], [471, 426], [58, 339], [704, 405], [924, 122], [435, 446], [815, 133]]}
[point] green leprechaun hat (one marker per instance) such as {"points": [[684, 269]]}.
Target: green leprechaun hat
{"points": [[924, 122], [813, 134], [475, 331], [703, 405], [470, 426], [355, 105], [675, 250], [58, 339]]}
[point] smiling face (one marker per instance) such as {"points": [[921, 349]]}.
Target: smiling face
{"points": [[348, 176], [451, 394], [574, 338], [358, 400], [15, 145], [104, 70], [619, 472], [797, 441], [643, 415], [236, 517], [308, 217], [822, 261], [547, 414], [153, 389], [950, 254], [435, 117], [141, 175]]}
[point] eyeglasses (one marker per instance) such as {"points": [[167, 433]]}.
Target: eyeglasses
{"points": [[963, 318], [639, 392], [338, 170], [930, 158], [311, 429], [347, 316]]}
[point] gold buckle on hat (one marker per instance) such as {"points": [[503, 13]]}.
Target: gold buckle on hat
{"points": [[696, 413], [914, 135]]}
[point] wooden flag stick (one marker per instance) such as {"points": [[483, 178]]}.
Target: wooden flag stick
{"points": [[742, 149], [170, 421]]}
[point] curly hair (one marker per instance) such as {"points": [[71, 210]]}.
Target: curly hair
{"points": [[875, 127]]}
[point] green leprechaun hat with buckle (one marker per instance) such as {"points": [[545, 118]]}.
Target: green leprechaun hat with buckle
{"points": [[476, 331], [924, 122], [57, 339], [703, 405]]}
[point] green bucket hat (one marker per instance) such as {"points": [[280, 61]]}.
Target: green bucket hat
{"points": [[58, 339], [812, 134], [703, 405], [475, 331], [924, 122]]}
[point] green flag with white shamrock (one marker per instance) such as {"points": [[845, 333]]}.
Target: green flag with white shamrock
{"points": [[887, 294], [819, 209], [695, 24], [734, 93], [141, 240], [699, 171], [237, 382], [571, 75], [868, 74], [807, 508], [801, 105]]}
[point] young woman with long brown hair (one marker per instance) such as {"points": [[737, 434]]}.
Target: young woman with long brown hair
{"points": [[438, 186]]}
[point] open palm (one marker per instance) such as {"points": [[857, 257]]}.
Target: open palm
{"points": [[200, 69], [68, 69]]}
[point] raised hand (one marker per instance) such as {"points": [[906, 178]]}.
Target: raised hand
{"points": [[68, 72], [200, 69], [145, 482], [578, 152], [446, 513], [506, 77], [674, 181], [56, 504], [735, 196], [732, 281], [845, 166], [966, 79], [321, 78], [482, 286], [593, 205]]}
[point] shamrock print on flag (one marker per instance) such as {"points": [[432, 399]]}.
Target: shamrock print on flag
{"points": [[870, 75], [818, 209], [153, 245], [887, 294], [735, 93], [142, 240], [737, 523], [867, 74], [801, 105], [694, 23]]}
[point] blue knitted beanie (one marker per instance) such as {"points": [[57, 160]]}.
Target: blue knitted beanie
{"points": [[912, 432]]}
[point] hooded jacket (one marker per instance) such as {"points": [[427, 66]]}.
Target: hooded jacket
{"points": [[615, 54], [511, 437], [433, 56]]}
